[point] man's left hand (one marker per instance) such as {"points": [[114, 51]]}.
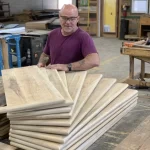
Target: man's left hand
{"points": [[60, 67]]}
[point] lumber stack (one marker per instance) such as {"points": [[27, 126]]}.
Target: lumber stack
{"points": [[62, 111], [4, 126], [4, 121]]}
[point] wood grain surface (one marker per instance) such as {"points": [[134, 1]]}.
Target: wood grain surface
{"points": [[96, 121], [89, 85], [28, 90], [88, 140]]}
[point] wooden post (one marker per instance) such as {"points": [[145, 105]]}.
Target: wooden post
{"points": [[142, 75], [131, 74], [5, 53]]}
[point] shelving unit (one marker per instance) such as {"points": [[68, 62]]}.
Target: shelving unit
{"points": [[144, 26], [88, 12], [5, 10]]}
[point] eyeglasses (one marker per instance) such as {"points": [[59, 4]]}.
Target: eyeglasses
{"points": [[64, 18]]}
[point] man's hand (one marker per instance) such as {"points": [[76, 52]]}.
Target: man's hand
{"points": [[43, 60], [40, 65], [60, 67]]}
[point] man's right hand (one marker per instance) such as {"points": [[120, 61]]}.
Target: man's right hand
{"points": [[43, 60], [40, 65]]}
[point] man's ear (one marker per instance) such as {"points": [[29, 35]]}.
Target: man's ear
{"points": [[78, 18]]}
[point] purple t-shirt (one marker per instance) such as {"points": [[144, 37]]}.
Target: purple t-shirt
{"points": [[68, 49]]}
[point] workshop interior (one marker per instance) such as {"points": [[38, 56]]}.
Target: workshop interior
{"points": [[106, 107]]}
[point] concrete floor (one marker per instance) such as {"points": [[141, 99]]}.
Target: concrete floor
{"points": [[113, 64], [116, 65]]}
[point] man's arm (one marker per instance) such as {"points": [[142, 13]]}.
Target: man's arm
{"points": [[43, 60], [90, 61]]}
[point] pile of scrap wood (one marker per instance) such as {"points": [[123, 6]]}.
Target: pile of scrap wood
{"points": [[62, 111], [26, 15]]}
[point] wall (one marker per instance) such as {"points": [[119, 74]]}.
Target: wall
{"points": [[17, 6]]}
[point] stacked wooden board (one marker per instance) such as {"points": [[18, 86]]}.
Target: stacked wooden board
{"points": [[62, 111], [4, 121], [4, 126]]}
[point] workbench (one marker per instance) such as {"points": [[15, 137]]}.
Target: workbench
{"points": [[142, 53]]}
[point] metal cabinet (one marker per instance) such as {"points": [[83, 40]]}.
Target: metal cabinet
{"points": [[31, 48]]}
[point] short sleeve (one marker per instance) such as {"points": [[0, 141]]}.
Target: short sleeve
{"points": [[87, 45], [46, 49]]}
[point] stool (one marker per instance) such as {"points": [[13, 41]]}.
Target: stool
{"points": [[10, 53]]}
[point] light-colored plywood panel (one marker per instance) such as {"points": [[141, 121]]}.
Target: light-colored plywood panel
{"points": [[43, 117], [75, 82], [99, 126], [101, 89], [42, 129], [113, 107], [104, 85], [113, 93], [96, 133], [124, 97], [21, 146], [43, 136], [62, 75], [136, 138], [40, 108], [33, 86], [98, 122], [61, 122], [41, 112], [46, 144], [89, 85], [100, 118], [94, 109], [28, 144], [42, 143], [54, 78], [28, 90]]}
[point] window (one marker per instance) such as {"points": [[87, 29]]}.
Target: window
{"points": [[62, 2], [139, 6]]}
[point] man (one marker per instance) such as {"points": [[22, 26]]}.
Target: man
{"points": [[69, 48]]}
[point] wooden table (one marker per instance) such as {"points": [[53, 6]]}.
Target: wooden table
{"points": [[142, 54]]}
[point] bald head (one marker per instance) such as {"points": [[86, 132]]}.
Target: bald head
{"points": [[69, 9]]}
